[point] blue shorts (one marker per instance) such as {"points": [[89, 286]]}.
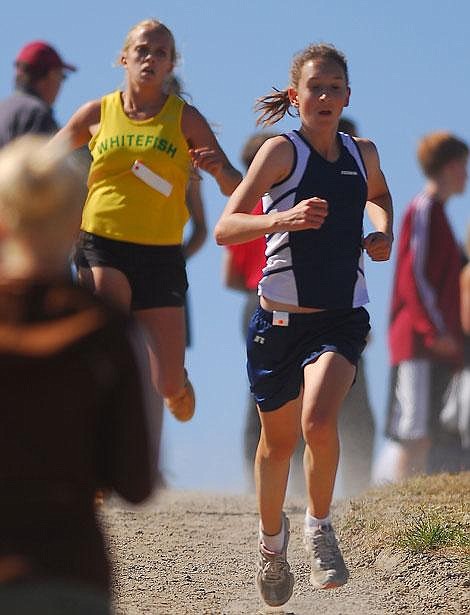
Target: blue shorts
{"points": [[277, 355]]}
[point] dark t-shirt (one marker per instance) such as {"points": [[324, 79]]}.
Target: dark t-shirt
{"points": [[74, 419], [24, 112]]}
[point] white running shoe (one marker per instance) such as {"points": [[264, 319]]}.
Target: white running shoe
{"points": [[274, 579], [327, 563]]}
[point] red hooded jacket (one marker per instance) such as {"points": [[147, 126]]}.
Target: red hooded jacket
{"points": [[426, 293]]}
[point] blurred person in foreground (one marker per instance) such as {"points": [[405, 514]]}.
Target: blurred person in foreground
{"points": [[39, 74], [355, 421], [425, 335], [75, 397]]}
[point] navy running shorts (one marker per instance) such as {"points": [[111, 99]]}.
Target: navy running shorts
{"points": [[156, 274], [277, 355]]}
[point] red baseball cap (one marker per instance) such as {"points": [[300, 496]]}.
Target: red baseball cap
{"points": [[40, 54]]}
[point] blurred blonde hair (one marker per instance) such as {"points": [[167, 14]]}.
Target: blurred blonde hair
{"points": [[173, 85], [41, 195], [38, 184]]}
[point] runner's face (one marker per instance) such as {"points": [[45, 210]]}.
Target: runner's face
{"points": [[458, 173], [52, 82], [149, 58], [321, 94]]}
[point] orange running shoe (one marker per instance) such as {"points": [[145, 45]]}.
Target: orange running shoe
{"points": [[183, 404]]}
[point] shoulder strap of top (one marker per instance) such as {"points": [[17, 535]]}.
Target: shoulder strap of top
{"points": [[300, 145], [106, 101], [353, 148]]}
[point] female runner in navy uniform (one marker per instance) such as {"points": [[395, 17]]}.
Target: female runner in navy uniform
{"points": [[310, 329]]}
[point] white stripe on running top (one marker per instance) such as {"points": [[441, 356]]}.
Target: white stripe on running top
{"points": [[282, 198], [353, 149], [419, 243]]}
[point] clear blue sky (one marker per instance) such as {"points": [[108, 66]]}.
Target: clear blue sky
{"points": [[409, 69]]}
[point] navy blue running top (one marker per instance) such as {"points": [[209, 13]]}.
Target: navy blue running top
{"points": [[319, 268]]}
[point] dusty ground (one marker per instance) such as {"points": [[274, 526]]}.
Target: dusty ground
{"points": [[193, 553]]}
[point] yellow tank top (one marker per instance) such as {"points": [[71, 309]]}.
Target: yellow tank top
{"points": [[120, 205]]}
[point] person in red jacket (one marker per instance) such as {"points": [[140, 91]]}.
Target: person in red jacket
{"points": [[425, 336]]}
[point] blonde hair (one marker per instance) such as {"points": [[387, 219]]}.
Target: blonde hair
{"points": [[151, 24], [274, 106], [39, 185], [173, 85]]}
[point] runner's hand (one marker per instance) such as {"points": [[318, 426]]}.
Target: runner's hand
{"points": [[210, 160], [378, 246], [446, 347], [307, 214]]}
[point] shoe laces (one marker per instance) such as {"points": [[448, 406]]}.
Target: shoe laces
{"points": [[274, 567], [324, 546], [180, 396]]}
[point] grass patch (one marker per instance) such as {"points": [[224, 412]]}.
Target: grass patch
{"points": [[423, 514], [429, 531]]}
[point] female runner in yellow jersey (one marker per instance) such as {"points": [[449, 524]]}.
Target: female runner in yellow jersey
{"points": [[131, 232]]}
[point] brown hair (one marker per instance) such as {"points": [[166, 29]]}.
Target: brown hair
{"points": [[274, 106], [252, 145], [437, 149], [348, 126], [151, 24]]}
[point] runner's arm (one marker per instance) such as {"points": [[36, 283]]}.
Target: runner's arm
{"points": [[205, 151], [81, 126], [377, 244], [272, 163]]}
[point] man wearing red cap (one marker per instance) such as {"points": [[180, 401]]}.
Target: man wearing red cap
{"points": [[40, 72]]}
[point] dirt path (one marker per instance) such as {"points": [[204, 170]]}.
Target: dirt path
{"points": [[195, 554]]}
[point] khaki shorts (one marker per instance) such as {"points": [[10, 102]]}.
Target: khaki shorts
{"points": [[417, 390]]}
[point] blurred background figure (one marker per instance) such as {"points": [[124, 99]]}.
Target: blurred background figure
{"points": [[197, 235], [455, 415], [242, 265], [348, 126], [356, 420], [39, 75], [76, 395], [464, 423], [425, 335]]}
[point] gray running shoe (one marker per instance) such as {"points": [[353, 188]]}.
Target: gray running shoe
{"points": [[274, 579], [328, 567]]}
